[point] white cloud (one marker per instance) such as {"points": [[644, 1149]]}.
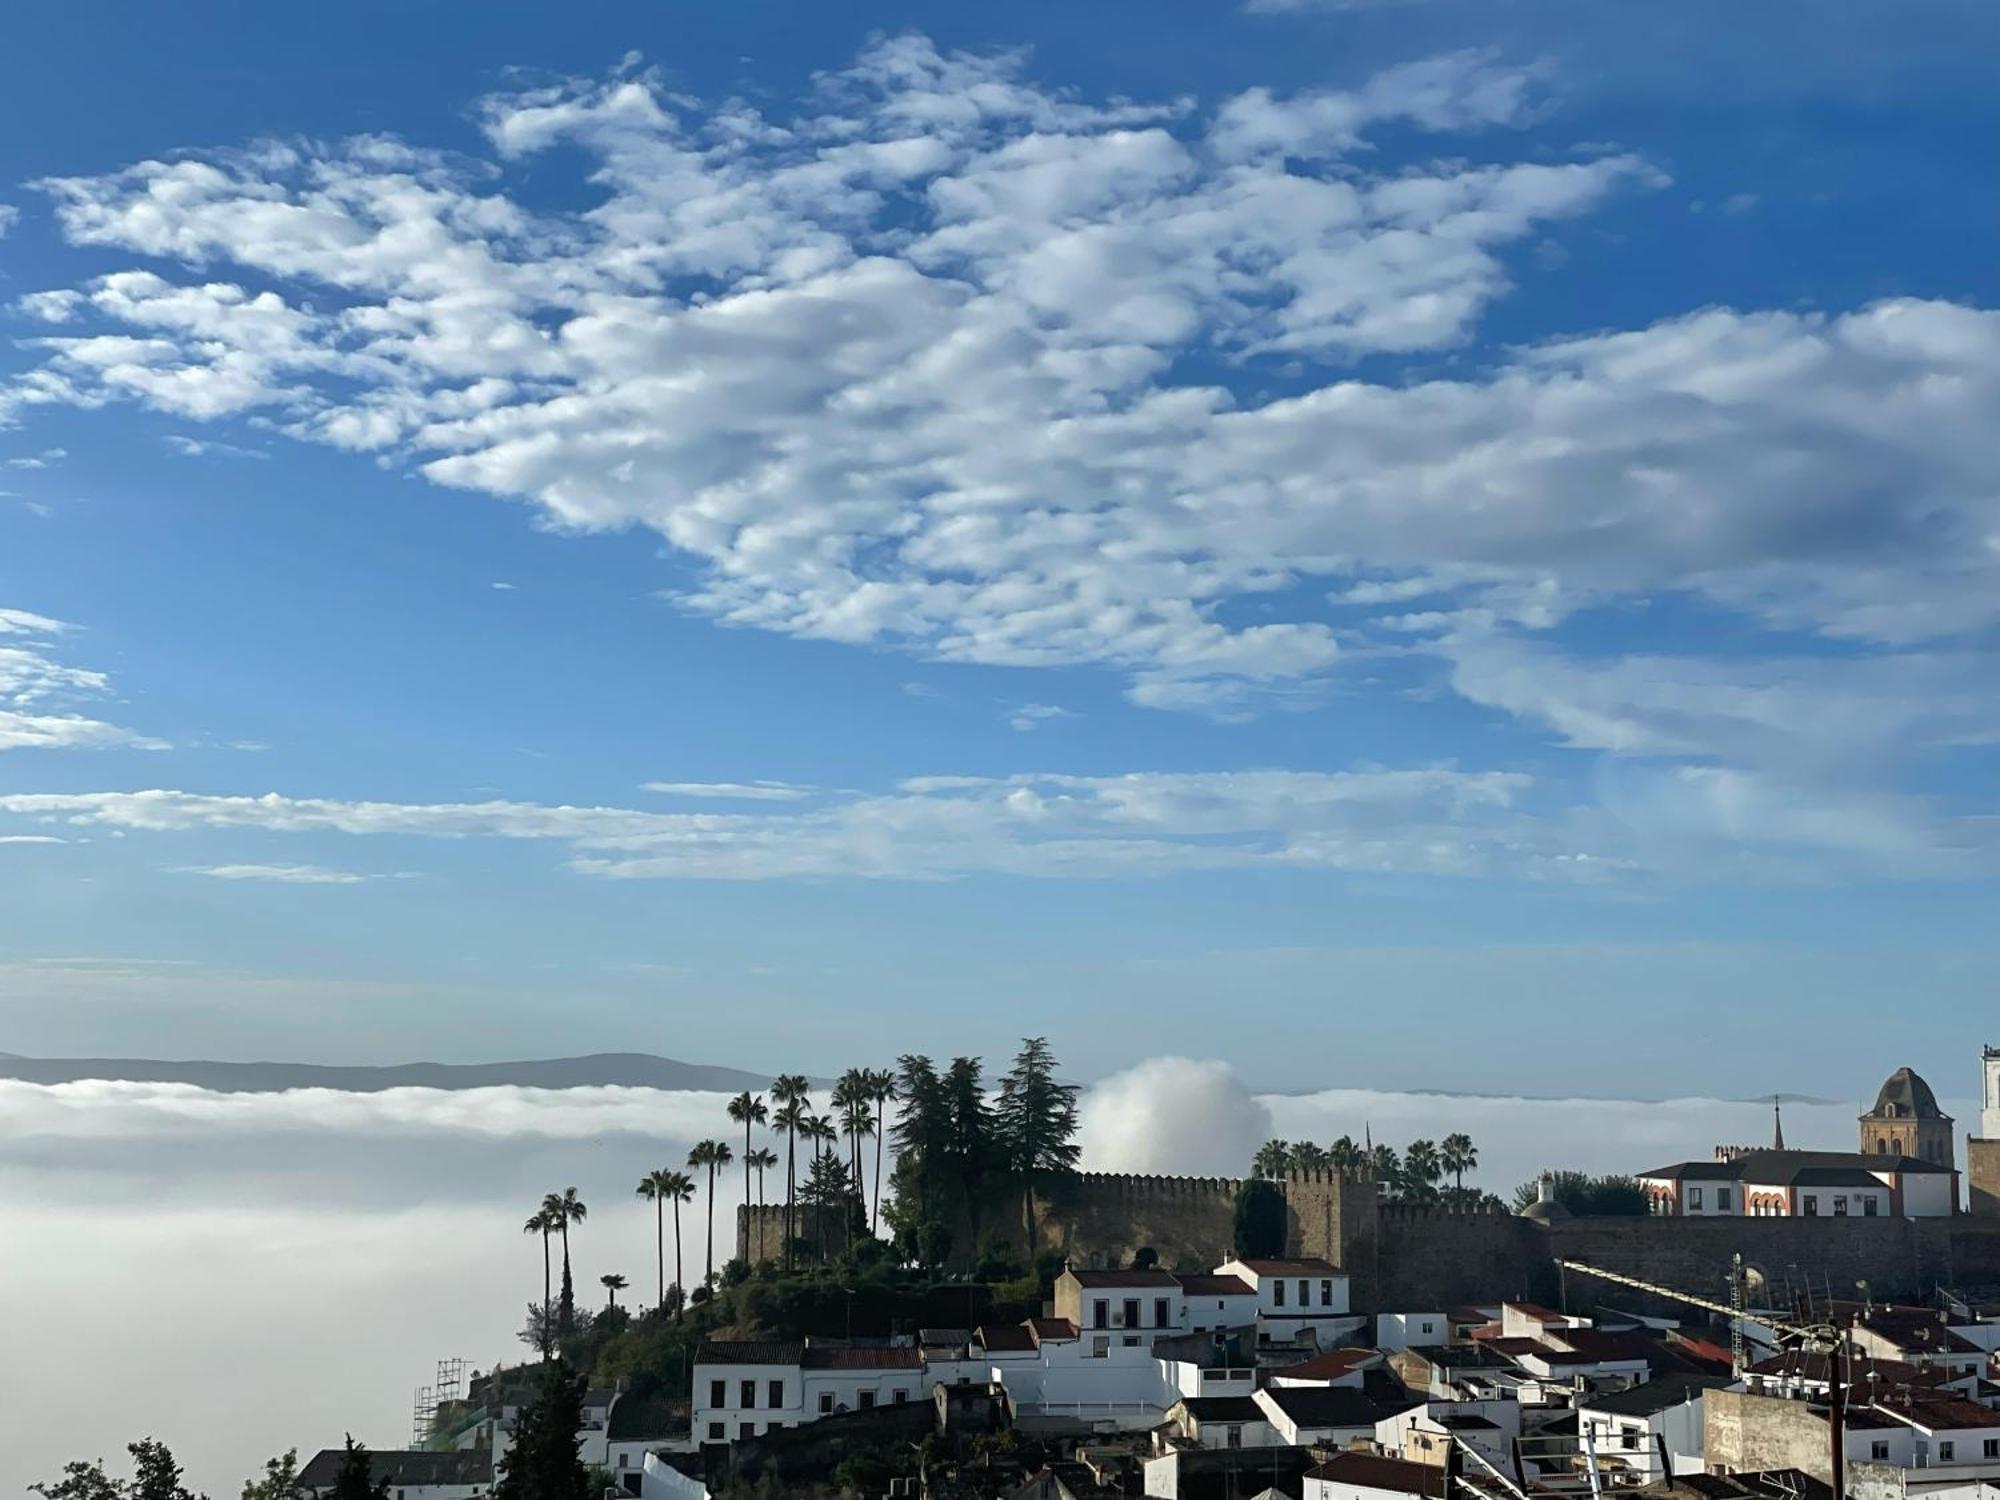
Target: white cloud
{"points": [[1172, 1115], [1427, 821], [189, 447], [31, 838], [36, 690], [731, 791], [277, 874], [8, 214], [1032, 715], [920, 397]]}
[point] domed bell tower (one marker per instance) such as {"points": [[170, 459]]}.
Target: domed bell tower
{"points": [[1906, 1121]]}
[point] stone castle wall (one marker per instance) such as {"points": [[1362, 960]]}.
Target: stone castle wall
{"points": [[1401, 1257]]}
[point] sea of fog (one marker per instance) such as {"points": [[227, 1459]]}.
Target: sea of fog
{"points": [[242, 1273]]}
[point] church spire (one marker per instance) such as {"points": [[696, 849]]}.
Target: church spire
{"points": [[1777, 1125]]}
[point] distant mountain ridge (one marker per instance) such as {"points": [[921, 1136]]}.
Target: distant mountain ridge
{"points": [[639, 1070]]}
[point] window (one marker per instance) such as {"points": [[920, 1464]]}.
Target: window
{"points": [[1130, 1341], [868, 1401], [1694, 1197], [1427, 1326], [1277, 1294], [1629, 1438], [1869, 1209], [777, 1394], [718, 1393], [900, 1397], [1326, 1293], [1131, 1311], [1100, 1347], [1878, 1449], [1946, 1452], [1812, 1204], [825, 1402], [1100, 1313], [715, 1432], [1993, 1447], [749, 1391], [1840, 1205], [1305, 1294], [1722, 1200], [1160, 1306], [1232, 1437]]}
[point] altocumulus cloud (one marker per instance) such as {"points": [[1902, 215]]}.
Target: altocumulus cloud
{"points": [[906, 363], [38, 692]]}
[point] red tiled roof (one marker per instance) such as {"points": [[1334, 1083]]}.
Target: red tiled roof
{"points": [[1216, 1286], [1123, 1278], [1536, 1311], [1366, 1471], [1010, 1338], [821, 1358], [1330, 1365], [1052, 1330]]}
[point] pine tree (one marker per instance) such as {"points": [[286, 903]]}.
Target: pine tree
{"points": [[155, 1474], [280, 1481], [544, 1464], [355, 1479], [1036, 1124]]}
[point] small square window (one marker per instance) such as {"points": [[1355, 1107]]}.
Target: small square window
{"points": [[825, 1402], [1947, 1452], [1878, 1450], [867, 1400], [715, 1431]]}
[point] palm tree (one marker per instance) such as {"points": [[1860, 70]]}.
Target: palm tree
{"points": [[1273, 1158], [882, 1088], [821, 1131], [655, 1187], [788, 1091], [748, 1109], [1458, 1156], [1307, 1157], [565, 1209], [678, 1188], [857, 1123], [540, 1223], [1346, 1156], [710, 1154], [761, 1158], [613, 1284], [1421, 1170]]}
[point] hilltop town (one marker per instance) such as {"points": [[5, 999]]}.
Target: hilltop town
{"points": [[924, 1297]]}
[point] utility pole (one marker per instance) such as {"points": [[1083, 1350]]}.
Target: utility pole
{"points": [[1826, 1338]]}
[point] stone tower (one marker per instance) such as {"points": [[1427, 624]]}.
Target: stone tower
{"points": [[1906, 1121], [1989, 1111]]}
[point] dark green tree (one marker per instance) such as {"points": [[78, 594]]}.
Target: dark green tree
{"points": [[355, 1479], [1036, 1124], [544, 1464], [1259, 1222], [82, 1481], [1587, 1196], [155, 1474], [972, 1148], [280, 1481]]}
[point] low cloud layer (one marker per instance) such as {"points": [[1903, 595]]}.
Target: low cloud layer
{"points": [[402, 1211]]}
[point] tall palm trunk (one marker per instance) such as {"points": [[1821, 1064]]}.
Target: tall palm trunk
{"points": [[881, 1129], [680, 1277], [746, 1181], [709, 1279], [548, 1312], [660, 1245], [791, 1184]]}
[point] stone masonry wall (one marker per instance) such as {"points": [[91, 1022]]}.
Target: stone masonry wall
{"points": [[1982, 1174]]}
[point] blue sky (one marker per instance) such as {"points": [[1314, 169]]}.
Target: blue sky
{"points": [[1352, 538]]}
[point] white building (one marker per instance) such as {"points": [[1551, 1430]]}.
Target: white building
{"points": [[1222, 1422], [1123, 1307], [1631, 1430], [1427, 1433], [1331, 1416], [458, 1474], [1406, 1330], [1364, 1476], [1803, 1184], [1216, 1302], [1341, 1367], [1302, 1299], [744, 1389]]}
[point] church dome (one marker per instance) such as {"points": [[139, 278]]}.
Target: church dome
{"points": [[1905, 1096]]}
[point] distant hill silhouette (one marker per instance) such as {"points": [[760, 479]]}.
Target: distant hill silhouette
{"points": [[626, 1069]]}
